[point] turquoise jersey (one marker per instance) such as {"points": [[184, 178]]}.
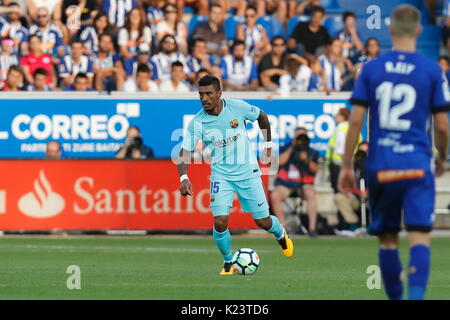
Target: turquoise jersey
{"points": [[226, 137]]}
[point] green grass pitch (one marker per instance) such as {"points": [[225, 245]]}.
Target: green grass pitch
{"points": [[186, 267]]}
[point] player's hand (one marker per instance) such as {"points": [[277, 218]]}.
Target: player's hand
{"points": [[186, 188], [440, 168], [267, 156], [346, 181]]}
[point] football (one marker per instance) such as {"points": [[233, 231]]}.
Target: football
{"points": [[245, 261]]}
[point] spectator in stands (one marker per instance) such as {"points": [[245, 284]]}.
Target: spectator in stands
{"points": [[90, 35], [74, 63], [143, 56], [199, 59], [200, 7], [444, 62], [213, 32], [167, 54], [303, 8], [352, 44], [177, 81], [134, 147], [239, 72], [50, 34], [7, 57], [16, 30], [80, 83], [39, 81], [273, 64], [53, 9], [37, 59], [141, 82], [298, 165], [337, 69], [318, 80], [254, 35], [117, 10], [14, 80], [133, 34], [272, 7], [107, 66], [298, 77], [155, 13], [171, 26], [371, 50], [53, 150], [309, 38]]}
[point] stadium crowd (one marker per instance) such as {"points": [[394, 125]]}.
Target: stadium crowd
{"points": [[145, 45]]}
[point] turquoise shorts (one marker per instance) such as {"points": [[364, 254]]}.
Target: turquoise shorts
{"points": [[250, 192]]}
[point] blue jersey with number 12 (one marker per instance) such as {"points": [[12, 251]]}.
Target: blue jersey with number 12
{"points": [[402, 90]]}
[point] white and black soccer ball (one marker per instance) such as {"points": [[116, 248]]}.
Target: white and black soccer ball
{"points": [[245, 261]]}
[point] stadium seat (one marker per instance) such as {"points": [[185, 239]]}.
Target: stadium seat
{"points": [[194, 21], [272, 25], [333, 25], [331, 6], [231, 24], [292, 23]]}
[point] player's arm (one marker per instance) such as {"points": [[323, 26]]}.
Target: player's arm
{"points": [[441, 141], [346, 175], [264, 126], [186, 188]]}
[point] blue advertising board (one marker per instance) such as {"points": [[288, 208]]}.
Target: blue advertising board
{"points": [[96, 128]]}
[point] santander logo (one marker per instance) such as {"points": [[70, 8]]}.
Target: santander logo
{"points": [[42, 202]]}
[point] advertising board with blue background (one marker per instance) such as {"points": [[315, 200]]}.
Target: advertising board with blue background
{"points": [[96, 128]]}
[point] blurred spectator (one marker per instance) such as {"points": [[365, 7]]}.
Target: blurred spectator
{"points": [[238, 6], [198, 59], [50, 34], [213, 32], [167, 54], [133, 34], [335, 66], [53, 150], [171, 26], [298, 165], [350, 38], [200, 7], [37, 59], [75, 63], [446, 26], [444, 62], [155, 13], [303, 8], [16, 30], [80, 83], [14, 80], [117, 10], [134, 147], [318, 80], [107, 66], [177, 82], [7, 57], [272, 7], [239, 71], [90, 35], [254, 35], [273, 64], [141, 82], [308, 38], [371, 50], [53, 9], [298, 77], [39, 81], [143, 56]]}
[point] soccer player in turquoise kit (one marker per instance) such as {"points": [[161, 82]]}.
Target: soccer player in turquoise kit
{"points": [[403, 92], [234, 168]]}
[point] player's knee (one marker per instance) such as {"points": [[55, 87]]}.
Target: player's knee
{"points": [[388, 240], [220, 223]]}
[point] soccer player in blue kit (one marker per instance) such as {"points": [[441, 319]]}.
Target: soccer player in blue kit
{"points": [[220, 124], [403, 91]]}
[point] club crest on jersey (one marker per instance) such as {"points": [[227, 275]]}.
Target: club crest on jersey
{"points": [[212, 198], [234, 123]]}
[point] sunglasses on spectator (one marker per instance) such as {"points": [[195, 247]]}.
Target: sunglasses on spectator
{"points": [[171, 41], [8, 42]]}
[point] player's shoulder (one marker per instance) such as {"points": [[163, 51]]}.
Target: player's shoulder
{"points": [[198, 117], [235, 103]]}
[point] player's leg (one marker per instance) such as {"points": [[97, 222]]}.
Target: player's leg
{"points": [[309, 194], [221, 199], [390, 265], [419, 208], [277, 196], [253, 199]]}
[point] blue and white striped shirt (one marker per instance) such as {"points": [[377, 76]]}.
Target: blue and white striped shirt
{"points": [[238, 72], [68, 67], [117, 10], [332, 73], [51, 37]]}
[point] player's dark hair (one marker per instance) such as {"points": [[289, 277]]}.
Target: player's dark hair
{"points": [[348, 14], [40, 71], [177, 64], [210, 80], [142, 67], [315, 9]]}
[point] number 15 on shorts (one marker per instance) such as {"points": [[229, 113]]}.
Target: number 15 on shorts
{"points": [[215, 187]]}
